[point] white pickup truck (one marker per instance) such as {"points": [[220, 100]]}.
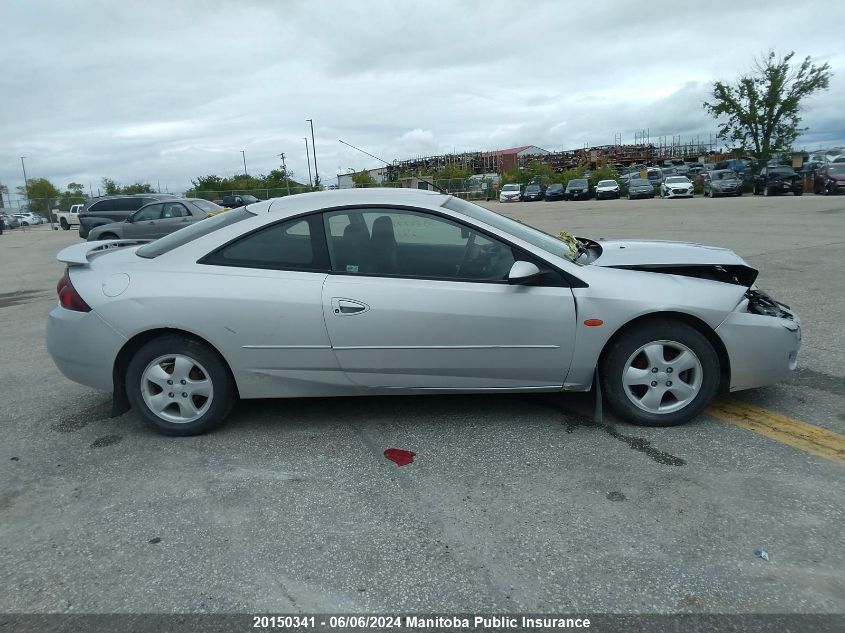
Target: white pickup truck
{"points": [[69, 218]]}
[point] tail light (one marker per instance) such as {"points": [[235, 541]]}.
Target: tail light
{"points": [[68, 296]]}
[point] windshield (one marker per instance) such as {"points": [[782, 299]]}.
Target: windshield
{"points": [[836, 169], [607, 183], [529, 234], [510, 188], [532, 188], [205, 205], [555, 187], [192, 232], [723, 175], [782, 171], [639, 182], [677, 179], [578, 182]]}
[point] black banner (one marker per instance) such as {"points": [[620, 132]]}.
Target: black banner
{"points": [[597, 623]]}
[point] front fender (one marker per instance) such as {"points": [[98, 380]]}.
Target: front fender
{"points": [[617, 297]]}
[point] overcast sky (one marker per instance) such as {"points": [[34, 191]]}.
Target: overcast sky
{"points": [[167, 91]]}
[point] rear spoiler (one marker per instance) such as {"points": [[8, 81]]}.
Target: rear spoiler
{"points": [[79, 254]]}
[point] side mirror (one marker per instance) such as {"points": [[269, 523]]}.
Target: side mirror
{"points": [[523, 272], [130, 219]]}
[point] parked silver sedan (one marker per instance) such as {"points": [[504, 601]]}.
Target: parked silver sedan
{"points": [[156, 219], [386, 291]]}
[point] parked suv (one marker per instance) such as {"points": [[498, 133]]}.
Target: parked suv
{"points": [[776, 180], [234, 202], [830, 179], [108, 209]]}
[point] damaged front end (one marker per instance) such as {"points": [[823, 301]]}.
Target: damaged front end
{"points": [[738, 274], [760, 302]]}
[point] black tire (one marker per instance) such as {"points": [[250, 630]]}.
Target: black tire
{"points": [[799, 193], [223, 391], [620, 350], [64, 224], [738, 194], [108, 236]]}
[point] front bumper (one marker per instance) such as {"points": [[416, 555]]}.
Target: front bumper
{"points": [[610, 193], [762, 349], [684, 193], [509, 198], [83, 346]]}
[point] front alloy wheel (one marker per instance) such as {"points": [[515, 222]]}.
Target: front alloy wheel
{"points": [[660, 373]]}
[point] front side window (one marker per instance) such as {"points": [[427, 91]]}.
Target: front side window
{"points": [[407, 243], [151, 212], [293, 245]]}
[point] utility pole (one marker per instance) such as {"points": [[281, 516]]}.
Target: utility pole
{"points": [[243, 153], [285, 169], [25, 181], [308, 158], [314, 149]]}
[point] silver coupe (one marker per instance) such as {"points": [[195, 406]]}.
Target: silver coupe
{"points": [[386, 291]]}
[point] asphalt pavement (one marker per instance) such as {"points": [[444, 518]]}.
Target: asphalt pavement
{"points": [[512, 503]]}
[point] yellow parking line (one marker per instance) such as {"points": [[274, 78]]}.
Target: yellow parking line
{"points": [[806, 437]]}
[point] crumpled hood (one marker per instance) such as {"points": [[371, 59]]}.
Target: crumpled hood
{"points": [[677, 258]]}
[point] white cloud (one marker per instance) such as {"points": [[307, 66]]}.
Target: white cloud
{"points": [[170, 91]]}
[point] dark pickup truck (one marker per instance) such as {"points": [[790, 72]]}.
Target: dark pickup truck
{"points": [[233, 202], [772, 181], [108, 209]]}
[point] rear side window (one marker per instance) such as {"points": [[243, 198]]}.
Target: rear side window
{"points": [[297, 244], [127, 204], [191, 232], [103, 206]]}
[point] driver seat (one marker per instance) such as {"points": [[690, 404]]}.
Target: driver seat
{"points": [[383, 248]]}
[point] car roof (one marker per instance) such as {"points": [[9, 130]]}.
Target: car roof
{"points": [[344, 197]]}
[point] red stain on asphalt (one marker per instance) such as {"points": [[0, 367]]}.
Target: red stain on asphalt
{"points": [[400, 456]]}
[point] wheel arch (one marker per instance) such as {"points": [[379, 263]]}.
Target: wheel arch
{"points": [[120, 401], [703, 328]]}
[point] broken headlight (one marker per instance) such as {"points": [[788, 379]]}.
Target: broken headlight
{"points": [[760, 302]]}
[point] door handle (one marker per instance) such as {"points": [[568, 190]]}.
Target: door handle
{"points": [[348, 307]]}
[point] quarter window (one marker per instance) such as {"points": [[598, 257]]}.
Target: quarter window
{"points": [[294, 245], [406, 243]]}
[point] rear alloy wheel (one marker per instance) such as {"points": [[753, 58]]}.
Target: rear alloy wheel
{"points": [[661, 374], [179, 385]]}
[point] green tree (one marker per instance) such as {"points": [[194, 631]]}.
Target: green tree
{"points": [[760, 111], [138, 187], [42, 195], [74, 193], [605, 172], [363, 178], [110, 187]]}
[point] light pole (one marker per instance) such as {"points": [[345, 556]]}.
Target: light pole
{"points": [[243, 153], [308, 158], [314, 149]]}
